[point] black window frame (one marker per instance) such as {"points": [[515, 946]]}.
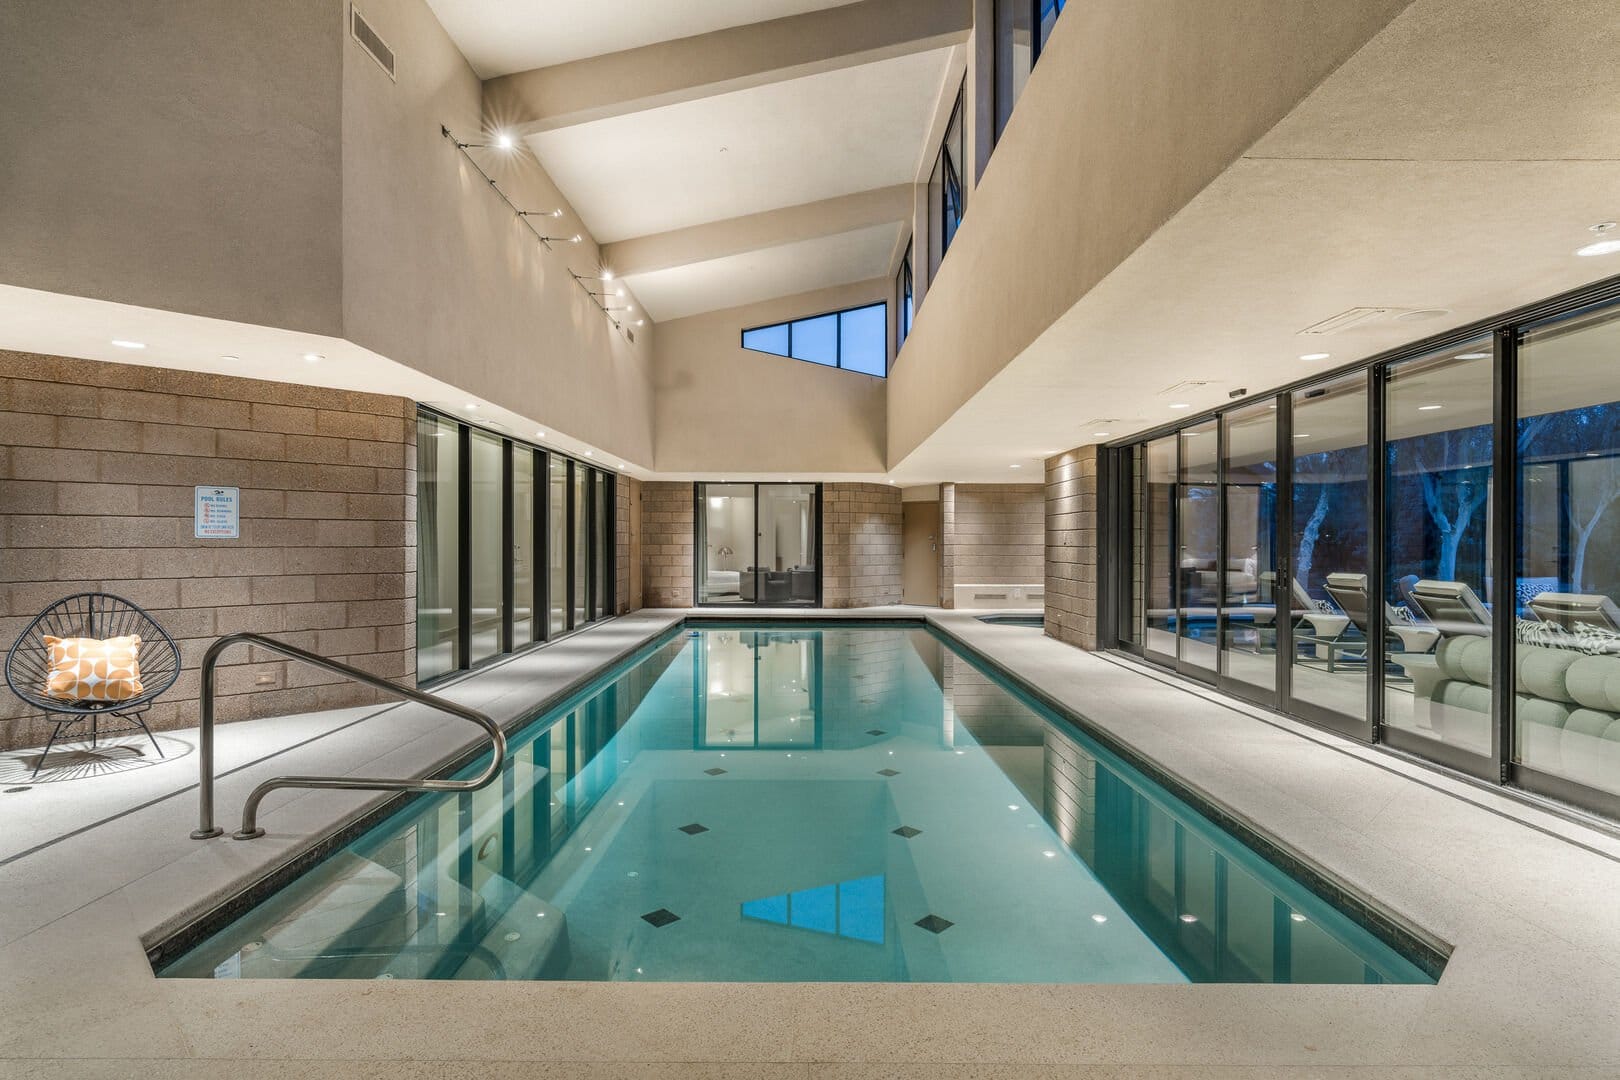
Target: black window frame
{"points": [[601, 484], [838, 336], [1498, 770], [904, 299], [1005, 19], [947, 186]]}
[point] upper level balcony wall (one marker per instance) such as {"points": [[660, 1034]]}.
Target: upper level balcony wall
{"points": [[439, 274], [249, 163], [185, 157], [1132, 111]]}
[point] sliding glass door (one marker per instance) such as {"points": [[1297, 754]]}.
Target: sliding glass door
{"points": [[1250, 628], [1330, 544], [1423, 552], [1200, 571], [515, 545], [1439, 451], [758, 544], [1159, 561]]}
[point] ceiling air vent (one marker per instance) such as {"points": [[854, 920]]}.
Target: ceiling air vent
{"points": [[375, 47], [1344, 320]]}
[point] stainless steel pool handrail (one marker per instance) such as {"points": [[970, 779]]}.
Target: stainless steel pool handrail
{"points": [[206, 829]]}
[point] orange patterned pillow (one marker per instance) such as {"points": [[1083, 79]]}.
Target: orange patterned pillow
{"points": [[88, 669]]}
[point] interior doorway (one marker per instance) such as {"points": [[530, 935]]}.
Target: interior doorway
{"points": [[920, 553]]}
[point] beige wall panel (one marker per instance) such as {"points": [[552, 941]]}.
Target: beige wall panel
{"points": [[920, 543], [183, 156], [722, 408], [1133, 109], [439, 274]]}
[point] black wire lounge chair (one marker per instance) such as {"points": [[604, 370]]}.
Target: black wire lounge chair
{"points": [[91, 615]]}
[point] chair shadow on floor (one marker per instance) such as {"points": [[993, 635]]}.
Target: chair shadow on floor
{"points": [[81, 761]]}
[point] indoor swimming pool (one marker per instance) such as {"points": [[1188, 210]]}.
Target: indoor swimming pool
{"points": [[803, 803]]}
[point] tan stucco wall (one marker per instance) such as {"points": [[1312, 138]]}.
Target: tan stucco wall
{"points": [[721, 407], [1132, 110], [182, 156], [440, 275]]}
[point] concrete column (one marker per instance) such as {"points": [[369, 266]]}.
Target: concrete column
{"points": [[1071, 547]]}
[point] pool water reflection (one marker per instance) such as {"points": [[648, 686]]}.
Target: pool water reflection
{"points": [[750, 803]]}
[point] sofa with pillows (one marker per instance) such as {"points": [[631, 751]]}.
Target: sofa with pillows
{"points": [[1567, 685]]}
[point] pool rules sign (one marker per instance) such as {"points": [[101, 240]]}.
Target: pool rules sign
{"points": [[218, 513]]}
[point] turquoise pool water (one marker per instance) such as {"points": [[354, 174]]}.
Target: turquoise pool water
{"points": [[752, 803]]}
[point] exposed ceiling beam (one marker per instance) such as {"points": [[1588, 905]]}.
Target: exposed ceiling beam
{"points": [[756, 232], [737, 58]]}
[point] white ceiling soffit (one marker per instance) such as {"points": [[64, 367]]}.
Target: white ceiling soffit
{"points": [[499, 37], [752, 150], [841, 259], [55, 324]]}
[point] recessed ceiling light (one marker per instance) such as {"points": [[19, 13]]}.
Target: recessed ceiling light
{"points": [[1429, 408], [505, 141], [1301, 436], [1015, 466], [122, 344], [641, 322], [1473, 356], [1050, 854], [1315, 356], [1099, 919], [589, 454], [1297, 917], [1102, 435], [1181, 405], [1601, 246], [1189, 918], [229, 359], [472, 406], [313, 358], [539, 434]]}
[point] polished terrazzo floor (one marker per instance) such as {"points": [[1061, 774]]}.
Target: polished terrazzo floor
{"points": [[89, 870]]}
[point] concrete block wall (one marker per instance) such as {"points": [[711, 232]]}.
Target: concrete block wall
{"points": [[627, 536], [97, 466], [990, 534], [861, 545], [666, 544], [1071, 547]]}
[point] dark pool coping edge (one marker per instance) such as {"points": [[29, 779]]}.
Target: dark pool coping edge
{"points": [[1395, 929], [1430, 953]]}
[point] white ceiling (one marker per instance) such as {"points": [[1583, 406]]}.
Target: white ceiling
{"points": [[499, 37], [787, 270], [748, 151]]}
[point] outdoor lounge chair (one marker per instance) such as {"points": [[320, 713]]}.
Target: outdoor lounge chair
{"points": [[1349, 591], [1452, 607], [1575, 611], [101, 616]]}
